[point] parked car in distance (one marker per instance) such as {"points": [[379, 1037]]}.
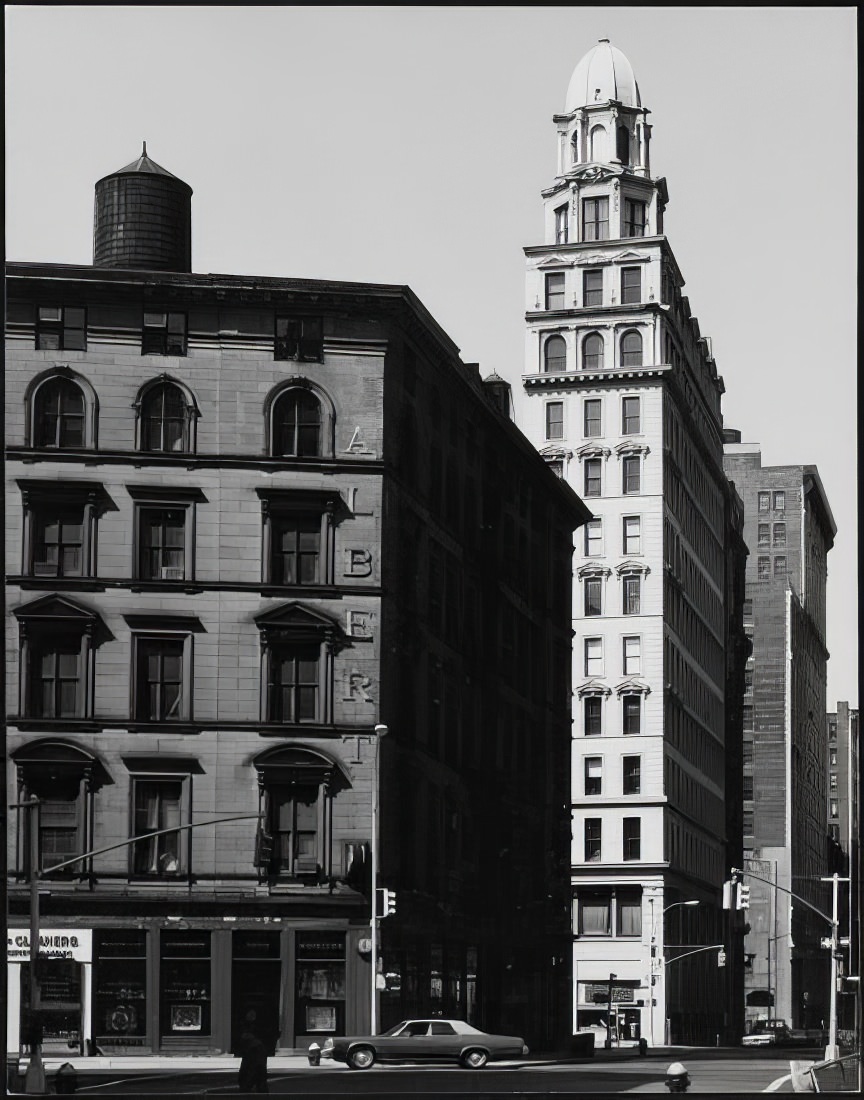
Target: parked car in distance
{"points": [[769, 1033], [425, 1041]]}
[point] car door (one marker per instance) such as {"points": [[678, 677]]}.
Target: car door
{"points": [[444, 1042], [411, 1042]]}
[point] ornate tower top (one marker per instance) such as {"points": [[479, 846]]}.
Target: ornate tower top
{"points": [[603, 74]]}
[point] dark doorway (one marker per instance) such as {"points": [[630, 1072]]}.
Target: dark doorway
{"points": [[255, 984]]}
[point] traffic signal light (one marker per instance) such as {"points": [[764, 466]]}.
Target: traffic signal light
{"points": [[728, 890], [743, 901], [386, 906]]}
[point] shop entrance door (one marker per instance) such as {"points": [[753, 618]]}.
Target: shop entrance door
{"points": [[256, 973]]}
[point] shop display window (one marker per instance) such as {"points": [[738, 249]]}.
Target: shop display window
{"points": [[320, 966], [120, 998], [255, 986], [185, 984], [60, 1005]]}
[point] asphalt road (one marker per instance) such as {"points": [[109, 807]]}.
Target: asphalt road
{"points": [[736, 1072]]}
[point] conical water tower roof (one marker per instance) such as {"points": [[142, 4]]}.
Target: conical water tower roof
{"points": [[147, 166]]}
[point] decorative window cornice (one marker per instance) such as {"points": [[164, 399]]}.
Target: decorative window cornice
{"points": [[593, 570], [593, 450], [554, 452], [631, 566], [592, 687], [632, 687], [630, 447]]}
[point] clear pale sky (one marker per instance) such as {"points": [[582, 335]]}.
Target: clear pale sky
{"points": [[410, 144]]}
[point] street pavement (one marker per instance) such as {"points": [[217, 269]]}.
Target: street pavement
{"points": [[717, 1071]]}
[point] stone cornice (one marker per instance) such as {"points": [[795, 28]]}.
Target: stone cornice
{"points": [[575, 380]]}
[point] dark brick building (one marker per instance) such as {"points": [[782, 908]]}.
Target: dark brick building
{"points": [[247, 520]]}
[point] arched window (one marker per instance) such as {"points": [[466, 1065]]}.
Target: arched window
{"points": [[59, 414], [297, 424], [631, 349], [554, 355], [592, 352], [165, 419], [598, 143], [623, 144]]}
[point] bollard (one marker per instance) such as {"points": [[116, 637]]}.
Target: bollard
{"points": [[677, 1078], [314, 1054], [643, 1046], [65, 1080]]}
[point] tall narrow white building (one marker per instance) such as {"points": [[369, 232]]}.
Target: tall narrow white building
{"points": [[620, 393]]}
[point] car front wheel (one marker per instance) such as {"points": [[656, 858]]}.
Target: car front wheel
{"points": [[361, 1057], [474, 1059]]}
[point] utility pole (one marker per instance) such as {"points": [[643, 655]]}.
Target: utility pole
{"points": [[832, 1051], [380, 731]]}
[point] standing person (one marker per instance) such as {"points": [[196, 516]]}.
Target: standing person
{"points": [[253, 1063]]}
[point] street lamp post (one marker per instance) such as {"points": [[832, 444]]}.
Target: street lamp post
{"points": [[688, 903], [380, 731]]}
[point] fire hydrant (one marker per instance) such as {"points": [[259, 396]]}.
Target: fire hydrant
{"points": [[314, 1054], [65, 1080], [677, 1078]]}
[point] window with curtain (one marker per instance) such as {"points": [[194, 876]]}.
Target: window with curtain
{"points": [[593, 827], [632, 594], [593, 595], [157, 805], [593, 715], [164, 419], [629, 912], [162, 543], [160, 674], [593, 775], [561, 225], [293, 815], [297, 424], [595, 914]]}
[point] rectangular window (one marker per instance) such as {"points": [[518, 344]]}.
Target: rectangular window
{"points": [[631, 474], [634, 218], [595, 219], [56, 689], [592, 288], [747, 818], [555, 290], [61, 328], [294, 817], [632, 542], [59, 823], [632, 774], [779, 502], [594, 907], [747, 787], [748, 680], [294, 683], [834, 807], [162, 543], [631, 714], [161, 678], [592, 477], [120, 978], [591, 408], [833, 758], [630, 416], [763, 568], [593, 595], [632, 656], [299, 338], [747, 716], [555, 420], [764, 534], [593, 537], [593, 775], [632, 594], [747, 609], [779, 565], [157, 806], [561, 225], [631, 285], [593, 714], [632, 838], [164, 333], [593, 656], [57, 545], [747, 757], [185, 984], [629, 912], [295, 543], [764, 502], [779, 534], [592, 840], [832, 783]]}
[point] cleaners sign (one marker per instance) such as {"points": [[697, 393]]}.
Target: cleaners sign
{"points": [[76, 943]]}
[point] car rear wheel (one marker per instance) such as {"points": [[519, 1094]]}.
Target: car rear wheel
{"points": [[361, 1057], [474, 1059]]}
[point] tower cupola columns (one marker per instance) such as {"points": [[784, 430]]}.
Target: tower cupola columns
{"points": [[604, 120]]}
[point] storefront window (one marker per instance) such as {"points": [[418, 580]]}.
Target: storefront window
{"points": [[120, 1001], [60, 1012], [255, 979], [320, 964], [184, 985]]}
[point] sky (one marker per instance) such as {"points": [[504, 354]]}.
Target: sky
{"points": [[409, 145]]}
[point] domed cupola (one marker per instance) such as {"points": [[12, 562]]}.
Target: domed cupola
{"points": [[143, 219], [603, 74]]}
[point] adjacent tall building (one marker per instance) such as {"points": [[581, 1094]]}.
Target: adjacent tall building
{"points": [[248, 520], [620, 393], [789, 530]]}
